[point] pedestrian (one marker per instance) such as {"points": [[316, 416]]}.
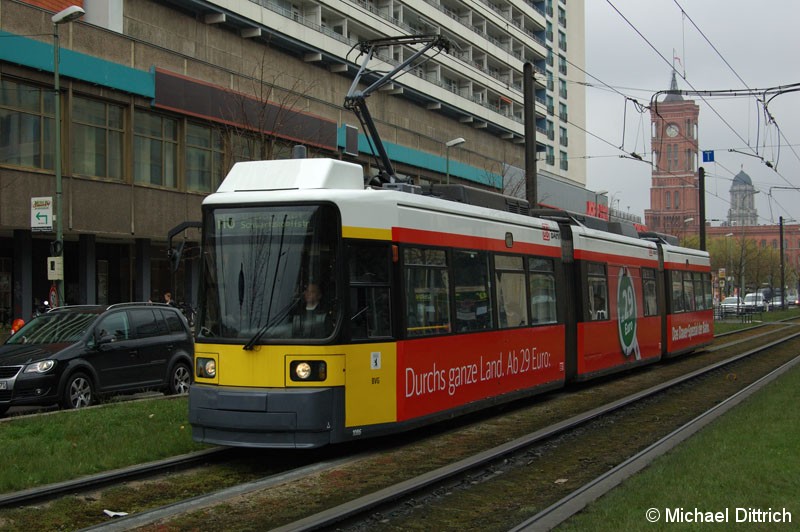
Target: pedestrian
{"points": [[168, 298]]}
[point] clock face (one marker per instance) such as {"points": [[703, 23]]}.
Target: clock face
{"points": [[672, 130]]}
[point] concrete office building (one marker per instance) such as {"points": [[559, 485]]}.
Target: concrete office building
{"points": [[159, 98]]}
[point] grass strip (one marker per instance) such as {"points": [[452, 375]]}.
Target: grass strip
{"points": [[746, 460], [70, 444]]}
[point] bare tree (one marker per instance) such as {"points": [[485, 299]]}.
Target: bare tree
{"points": [[265, 114]]}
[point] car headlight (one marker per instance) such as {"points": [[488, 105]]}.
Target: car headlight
{"points": [[312, 370], [43, 366], [206, 368]]}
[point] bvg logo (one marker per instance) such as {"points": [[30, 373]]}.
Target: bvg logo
{"points": [[546, 232]]}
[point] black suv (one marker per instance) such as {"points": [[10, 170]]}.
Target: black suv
{"points": [[73, 355]]}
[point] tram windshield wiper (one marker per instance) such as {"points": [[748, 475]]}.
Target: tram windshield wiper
{"points": [[270, 323]]}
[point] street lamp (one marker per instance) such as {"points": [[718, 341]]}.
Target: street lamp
{"points": [[686, 221], [449, 144], [727, 283], [597, 194], [62, 17]]}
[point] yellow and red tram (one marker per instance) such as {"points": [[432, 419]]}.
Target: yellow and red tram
{"points": [[429, 308]]}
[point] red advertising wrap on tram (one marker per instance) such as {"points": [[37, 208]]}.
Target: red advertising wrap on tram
{"points": [[332, 311]]}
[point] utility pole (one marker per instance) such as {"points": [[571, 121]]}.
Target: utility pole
{"points": [[783, 280], [701, 175], [530, 135]]}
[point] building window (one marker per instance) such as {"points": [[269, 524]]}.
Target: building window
{"points": [[563, 136], [672, 157], [564, 163], [562, 88], [673, 164], [155, 149], [246, 148], [204, 157], [668, 200], [98, 132], [677, 200], [26, 125]]}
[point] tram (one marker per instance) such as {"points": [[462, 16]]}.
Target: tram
{"points": [[332, 312]]}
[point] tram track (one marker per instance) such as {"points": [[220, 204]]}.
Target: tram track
{"points": [[378, 509], [284, 475]]}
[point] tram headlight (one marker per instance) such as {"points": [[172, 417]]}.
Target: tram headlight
{"points": [[303, 370], [308, 370], [206, 368]]}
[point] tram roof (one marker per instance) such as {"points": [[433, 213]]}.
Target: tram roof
{"points": [[292, 174]]}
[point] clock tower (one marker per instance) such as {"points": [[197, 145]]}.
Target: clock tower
{"points": [[674, 183]]}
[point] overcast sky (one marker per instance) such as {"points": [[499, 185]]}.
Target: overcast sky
{"points": [[760, 40]]}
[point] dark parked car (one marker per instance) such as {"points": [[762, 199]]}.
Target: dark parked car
{"points": [[74, 355]]}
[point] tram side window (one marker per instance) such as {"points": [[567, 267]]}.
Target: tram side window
{"points": [[543, 290], [471, 282], [597, 291], [699, 296], [649, 290], [511, 294], [427, 286], [709, 290], [370, 295], [689, 302], [677, 291]]}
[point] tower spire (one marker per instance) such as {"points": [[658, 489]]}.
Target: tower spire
{"points": [[673, 86], [673, 96]]}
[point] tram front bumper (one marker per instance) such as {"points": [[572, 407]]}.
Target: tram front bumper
{"points": [[258, 417]]}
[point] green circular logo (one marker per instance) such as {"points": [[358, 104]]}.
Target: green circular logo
{"points": [[626, 314]]}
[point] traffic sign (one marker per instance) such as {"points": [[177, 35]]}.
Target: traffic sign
{"points": [[708, 156], [42, 214]]}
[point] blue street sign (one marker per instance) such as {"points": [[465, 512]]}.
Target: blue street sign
{"points": [[708, 156]]}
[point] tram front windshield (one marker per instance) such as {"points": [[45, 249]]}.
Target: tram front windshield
{"points": [[269, 273]]}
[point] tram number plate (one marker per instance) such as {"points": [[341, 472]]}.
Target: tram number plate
{"points": [[3, 385]]}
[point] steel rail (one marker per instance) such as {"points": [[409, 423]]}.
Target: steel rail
{"points": [[576, 501], [362, 505], [58, 489]]}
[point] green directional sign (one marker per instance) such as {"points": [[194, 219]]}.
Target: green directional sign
{"points": [[626, 314], [42, 214]]}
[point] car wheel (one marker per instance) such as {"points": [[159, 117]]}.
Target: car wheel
{"points": [[179, 379], [79, 392]]}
